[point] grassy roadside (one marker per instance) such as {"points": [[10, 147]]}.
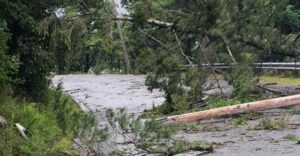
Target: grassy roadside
{"points": [[51, 125], [280, 80]]}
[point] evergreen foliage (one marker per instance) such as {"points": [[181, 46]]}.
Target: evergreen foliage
{"points": [[210, 32], [150, 135], [8, 64], [41, 36]]}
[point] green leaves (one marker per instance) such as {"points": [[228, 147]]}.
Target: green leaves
{"points": [[289, 19], [9, 65]]}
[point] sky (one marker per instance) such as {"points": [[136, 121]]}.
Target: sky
{"points": [[120, 9]]}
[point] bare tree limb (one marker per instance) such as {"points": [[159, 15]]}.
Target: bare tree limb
{"points": [[150, 21], [272, 91], [84, 148], [181, 50], [153, 38], [230, 54], [210, 66], [188, 58]]}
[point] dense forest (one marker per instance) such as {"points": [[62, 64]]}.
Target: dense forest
{"points": [[166, 39]]}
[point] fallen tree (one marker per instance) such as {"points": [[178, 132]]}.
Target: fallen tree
{"points": [[233, 110]]}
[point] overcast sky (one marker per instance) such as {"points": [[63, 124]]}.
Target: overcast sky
{"points": [[120, 9]]}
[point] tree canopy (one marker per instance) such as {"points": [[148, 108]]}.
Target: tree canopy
{"points": [[168, 40], [39, 37]]}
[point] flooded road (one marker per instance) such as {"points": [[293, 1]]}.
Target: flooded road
{"points": [[97, 93]]}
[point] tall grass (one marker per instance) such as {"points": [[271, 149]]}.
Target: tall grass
{"points": [[51, 125]]}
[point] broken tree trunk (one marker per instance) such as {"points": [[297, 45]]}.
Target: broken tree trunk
{"points": [[235, 109]]}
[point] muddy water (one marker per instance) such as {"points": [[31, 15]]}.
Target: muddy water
{"points": [[96, 93]]}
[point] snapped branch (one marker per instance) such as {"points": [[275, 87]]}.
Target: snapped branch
{"points": [[150, 21]]}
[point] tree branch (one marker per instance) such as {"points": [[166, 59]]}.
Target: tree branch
{"points": [[202, 51], [230, 54], [153, 38], [182, 53], [150, 21]]}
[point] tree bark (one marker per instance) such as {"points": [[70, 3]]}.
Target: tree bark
{"points": [[125, 50], [235, 109]]}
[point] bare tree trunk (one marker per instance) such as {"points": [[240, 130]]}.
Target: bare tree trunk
{"points": [[125, 50], [230, 54], [235, 109]]}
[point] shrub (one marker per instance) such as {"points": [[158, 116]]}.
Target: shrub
{"points": [[51, 125]]}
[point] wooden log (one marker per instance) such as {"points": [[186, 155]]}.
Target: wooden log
{"points": [[234, 109]]}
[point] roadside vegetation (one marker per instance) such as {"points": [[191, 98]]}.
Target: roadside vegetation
{"points": [[266, 123], [50, 125], [280, 80], [292, 137], [166, 40], [151, 135]]}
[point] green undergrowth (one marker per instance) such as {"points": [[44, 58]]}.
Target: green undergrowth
{"points": [[222, 103], [51, 125], [152, 135], [270, 124], [244, 118], [280, 80], [173, 147], [292, 137]]}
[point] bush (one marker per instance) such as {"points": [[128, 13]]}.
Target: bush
{"points": [[51, 125], [180, 103], [242, 77], [42, 130], [8, 65]]}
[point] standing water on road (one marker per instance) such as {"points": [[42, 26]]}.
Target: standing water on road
{"points": [[96, 92]]}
